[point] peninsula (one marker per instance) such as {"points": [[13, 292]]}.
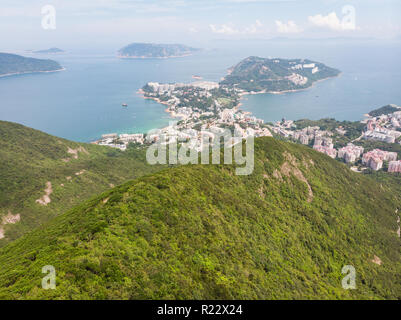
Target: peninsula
{"points": [[204, 103], [153, 50], [262, 75], [12, 64]]}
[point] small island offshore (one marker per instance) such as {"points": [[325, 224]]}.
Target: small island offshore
{"points": [[49, 51], [13, 64], [153, 50]]}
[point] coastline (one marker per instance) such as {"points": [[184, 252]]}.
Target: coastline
{"points": [[287, 91], [241, 95], [30, 72], [172, 113]]}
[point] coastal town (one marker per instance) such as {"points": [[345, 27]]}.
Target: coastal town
{"points": [[209, 107], [202, 107], [384, 128]]}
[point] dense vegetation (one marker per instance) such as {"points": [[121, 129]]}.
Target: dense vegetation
{"points": [[271, 75], [30, 158], [390, 108], [354, 129], [12, 63], [153, 50], [391, 182], [370, 145], [201, 232]]}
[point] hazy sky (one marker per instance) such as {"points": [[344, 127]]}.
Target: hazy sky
{"points": [[101, 23]]}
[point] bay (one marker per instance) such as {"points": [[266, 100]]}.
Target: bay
{"points": [[85, 100]]}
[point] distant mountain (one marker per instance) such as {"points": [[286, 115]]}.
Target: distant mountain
{"points": [[276, 75], [152, 50], [14, 64], [35, 166], [201, 232], [50, 51], [390, 108]]}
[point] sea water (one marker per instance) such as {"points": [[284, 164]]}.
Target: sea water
{"points": [[85, 101]]}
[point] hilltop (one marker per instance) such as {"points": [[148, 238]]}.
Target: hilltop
{"points": [[276, 75], [42, 176], [154, 50], [11, 64], [201, 232]]}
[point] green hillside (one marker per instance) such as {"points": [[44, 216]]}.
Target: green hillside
{"points": [[201, 232], [14, 64], [29, 159]]}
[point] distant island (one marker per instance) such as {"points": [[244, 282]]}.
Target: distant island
{"points": [[12, 64], [50, 51], [153, 50], [260, 75]]}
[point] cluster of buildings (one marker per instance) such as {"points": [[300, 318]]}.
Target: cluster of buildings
{"points": [[324, 144], [214, 116], [198, 120], [350, 153], [374, 159], [332, 153], [283, 128], [382, 134], [322, 141], [304, 136], [170, 134], [195, 139], [120, 141], [311, 66], [250, 131], [394, 166], [184, 101], [384, 127], [297, 79], [169, 89], [195, 122]]}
